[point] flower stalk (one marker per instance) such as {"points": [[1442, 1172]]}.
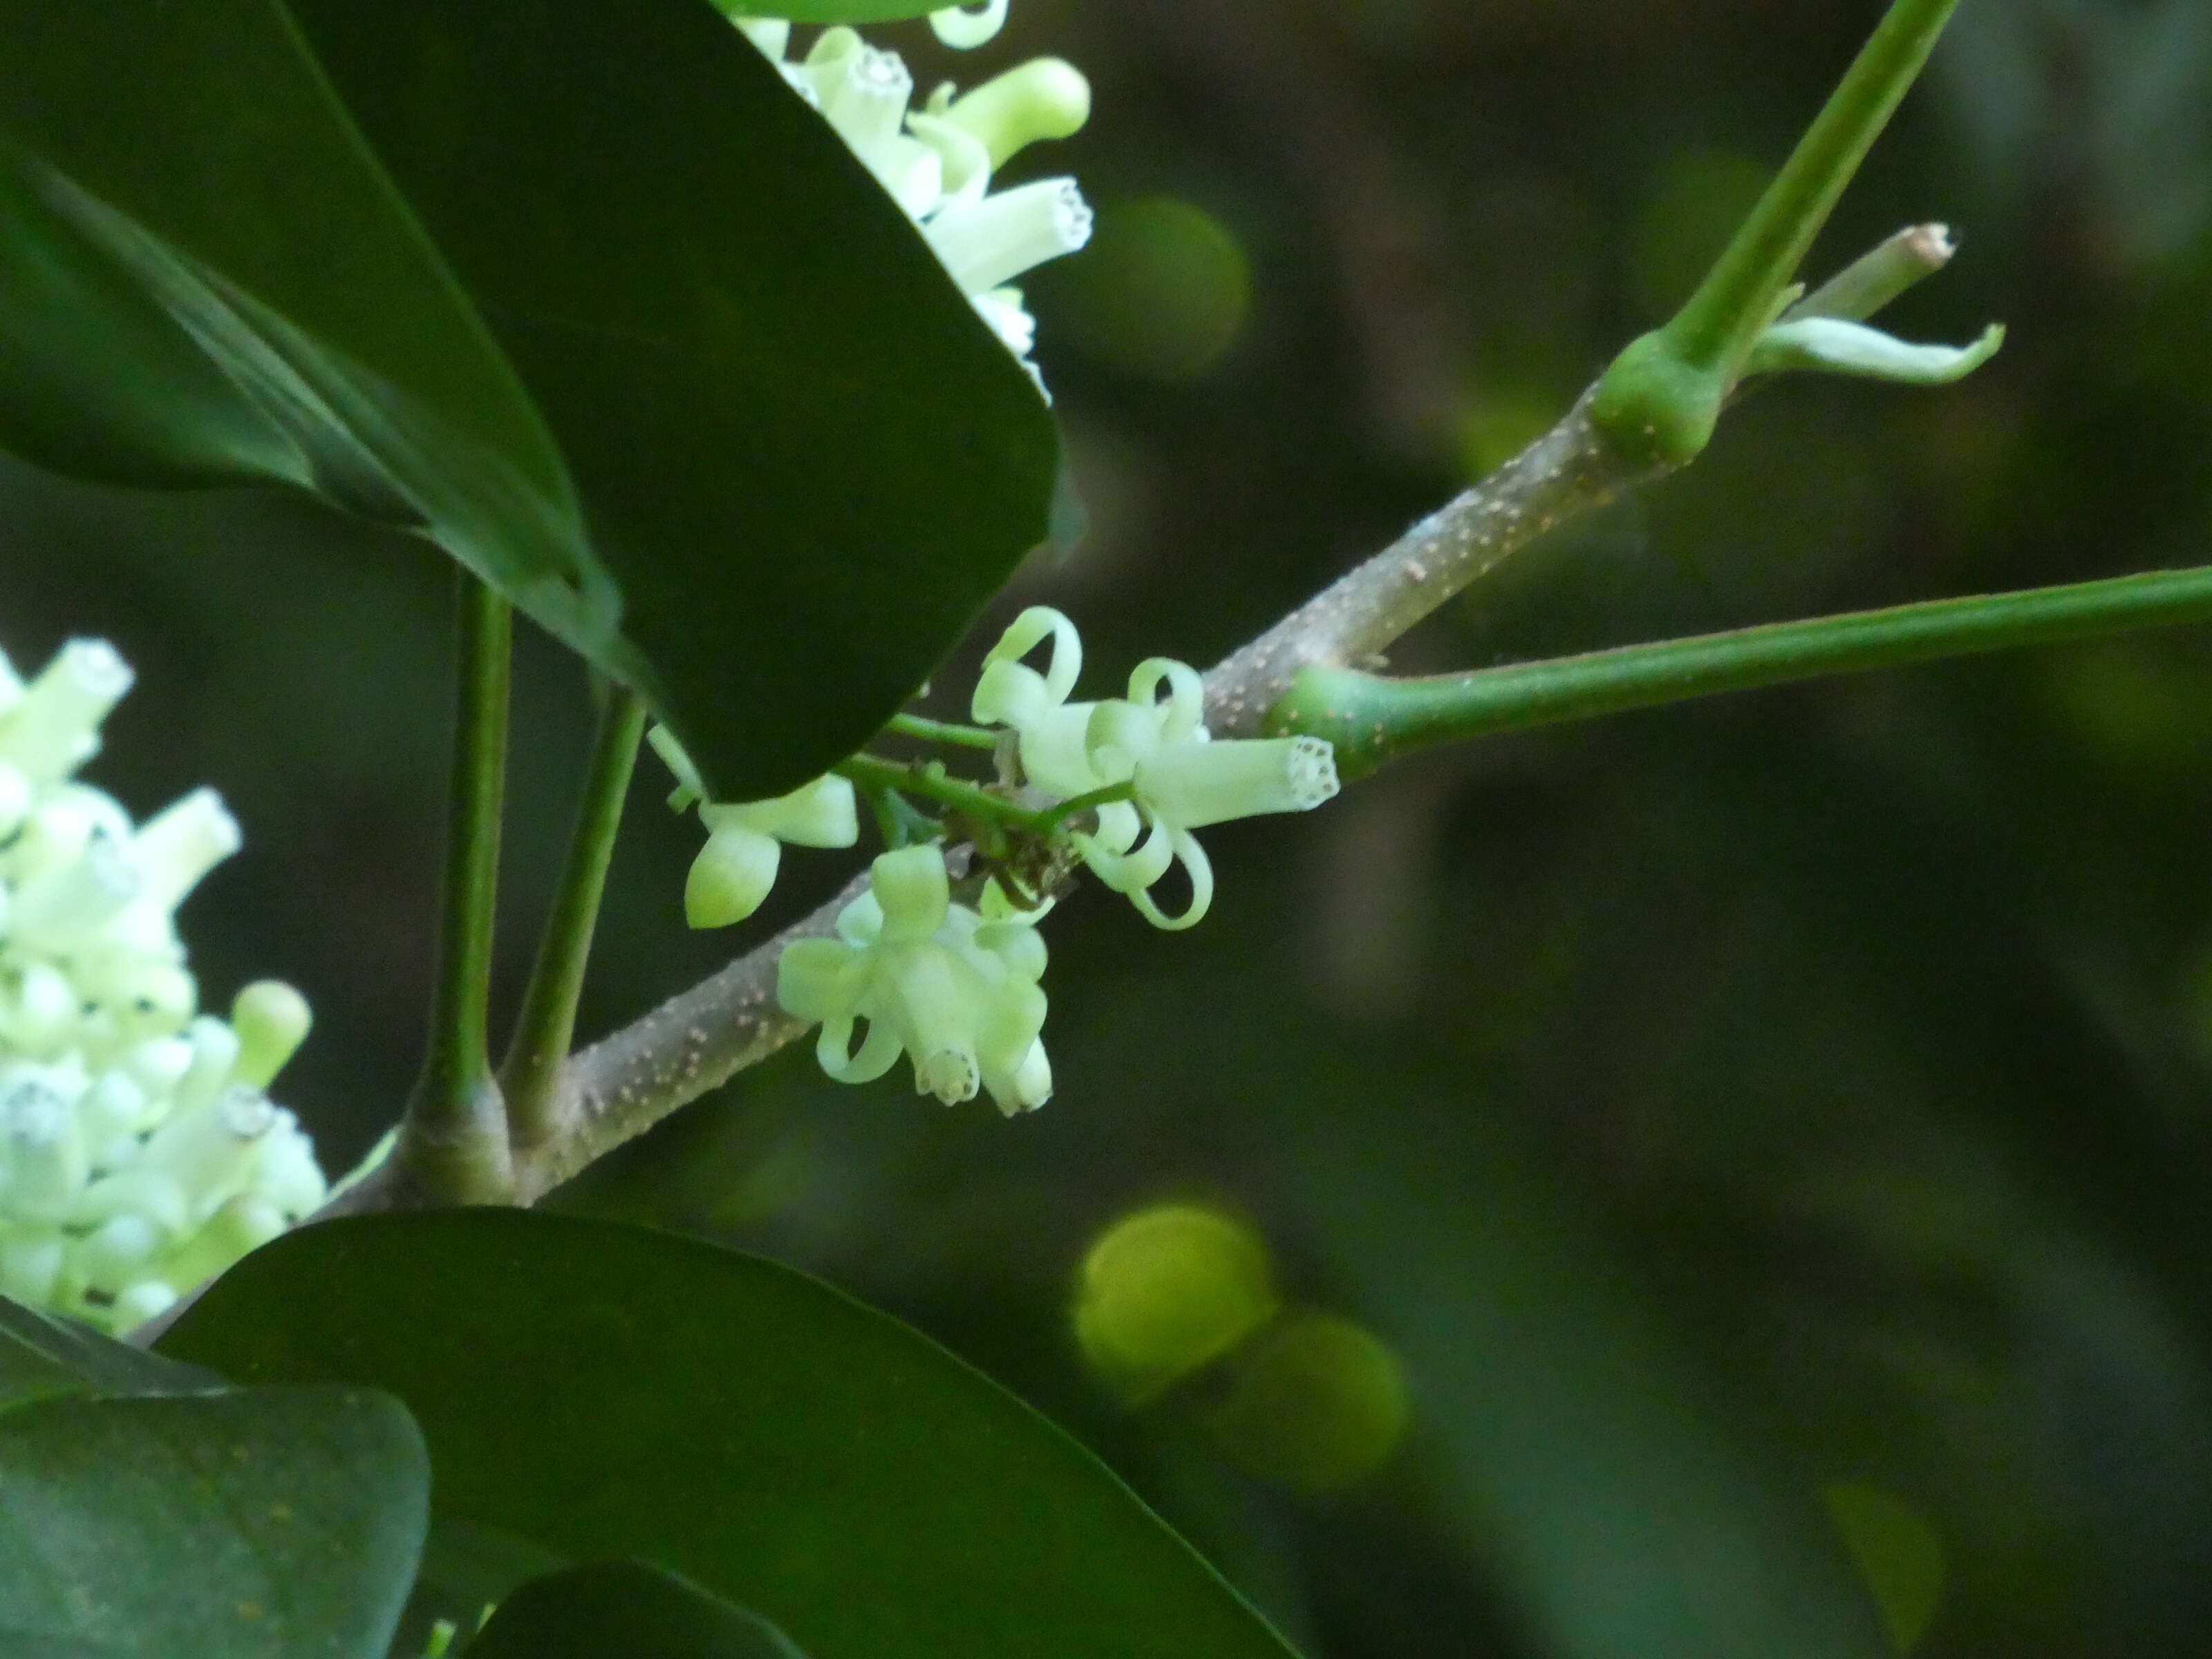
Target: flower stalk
{"points": [[546, 1027], [452, 1146]]}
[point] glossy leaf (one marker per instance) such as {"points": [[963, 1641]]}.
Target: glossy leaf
{"points": [[267, 1523], [628, 1608], [578, 288], [607, 1391], [42, 1356]]}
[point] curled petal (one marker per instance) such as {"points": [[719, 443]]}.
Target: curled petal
{"points": [[878, 1052], [1131, 871], [1010, 693], [819, 979], [1832, 346], [1027, 631], [1196, 784], [1186, 705], [732, 875], [963, 30], [1197, 866]]}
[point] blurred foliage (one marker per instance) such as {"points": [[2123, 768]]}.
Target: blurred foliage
{"points": [[1847, 1048]]}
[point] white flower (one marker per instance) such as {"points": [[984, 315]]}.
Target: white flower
{"points": [[737, 866], [934, 981], [937, 162], [1180, 780], [139, 1152]]}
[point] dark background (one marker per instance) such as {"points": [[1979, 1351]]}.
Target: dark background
{"points": [[1699, 1109]]}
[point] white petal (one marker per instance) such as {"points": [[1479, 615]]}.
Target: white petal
{"points": [[913, 890], [819, 979]]}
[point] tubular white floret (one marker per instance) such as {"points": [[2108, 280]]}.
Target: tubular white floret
{"points": [[1179, 780], [988, 243], [176, 849], [54, 727], [957, 994]]}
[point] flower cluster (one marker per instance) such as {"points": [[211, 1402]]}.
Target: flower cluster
{"points": [[937, 161], [139, 1151], [935, 980], [1119, 784], [1178, 779]]}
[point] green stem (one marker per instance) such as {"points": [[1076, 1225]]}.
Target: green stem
{"points": [[1074, 804], [1372, 720], [1734, 302], [871, 772], [546, 1027], [454, 1141], [1663, 395], [930, 731]]}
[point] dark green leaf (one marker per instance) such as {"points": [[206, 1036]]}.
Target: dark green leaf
{"points": [[607, 1391], [41, 1355], [628, 1608], [270, 1523], [577, 287]]}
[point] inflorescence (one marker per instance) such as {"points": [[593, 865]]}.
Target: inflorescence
{"points": [[948, 973], [140, 1153]]}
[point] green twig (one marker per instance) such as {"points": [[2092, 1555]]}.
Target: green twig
{"points": [[453, 1144], [547, 1024], [1663, 395], [1372, 720], [1075, 804], [930, 731], [932, 782]]}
